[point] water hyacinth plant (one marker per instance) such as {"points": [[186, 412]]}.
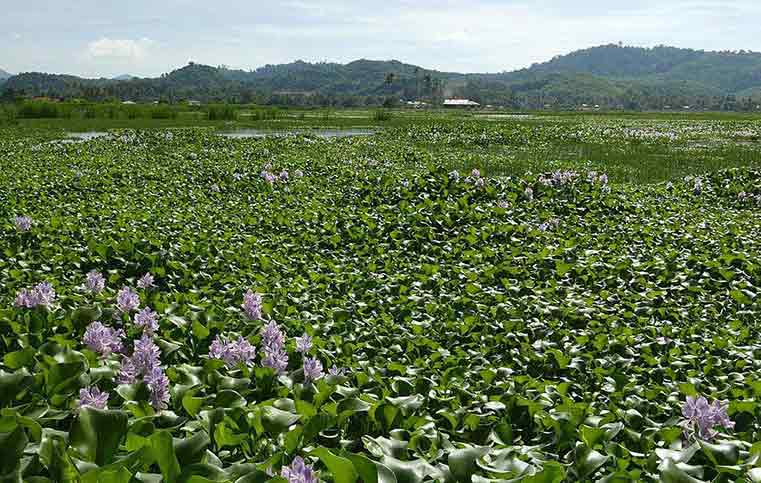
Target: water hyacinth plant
{"points": [[95, 282], [252, 305], [93, 397], [145, 362], [299, 472], [701, 418], [103, 340], [146, 281], [273, 346], [127, 300], [42, 295], [146, 319], [23, 223], [233, 353]]}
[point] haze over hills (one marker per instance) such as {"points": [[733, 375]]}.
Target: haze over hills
{"points": [[4, 75], [124, 77], [610, 76]]}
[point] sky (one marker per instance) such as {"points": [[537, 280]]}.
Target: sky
{"points": [[106, 38]]}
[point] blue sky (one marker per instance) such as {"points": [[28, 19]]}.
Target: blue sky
{"points": [[148, 37]]}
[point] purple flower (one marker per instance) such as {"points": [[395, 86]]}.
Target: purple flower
{"points": [[93, 397], [335, 371], [268, 177], [146, 281], [127, 372], [26, 299], [42, 294], [158, 387], [102, 339], [252, 305], [283, 175], [127, 300], [298, 173], [276, 359], [146, 355], [480, 182], [312, 369], [232, 353], [95, 282], [702, 418], [45, 294], [503, 204], [303, 344], [146, 319], [273, 342], [603, 179], [529, 193], [23, 223], [475, 173], [298, 472]]}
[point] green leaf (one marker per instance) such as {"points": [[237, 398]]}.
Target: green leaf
{"points": [[276, 421], [97, 434], [462, 462], [342, 469], [162, 452]]}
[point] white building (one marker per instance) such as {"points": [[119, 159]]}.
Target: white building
{"points": [[460, 103]]}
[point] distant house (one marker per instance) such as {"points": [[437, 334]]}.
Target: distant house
{"points": [[460, 103], [194, 103]]}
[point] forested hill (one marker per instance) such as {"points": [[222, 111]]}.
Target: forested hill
{"points": [[610, 76]]}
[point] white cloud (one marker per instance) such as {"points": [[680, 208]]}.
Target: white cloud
{"points": [[119, 49]]}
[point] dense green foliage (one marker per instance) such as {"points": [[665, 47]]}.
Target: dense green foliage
{"points": [[489, 333], [610, 76]]}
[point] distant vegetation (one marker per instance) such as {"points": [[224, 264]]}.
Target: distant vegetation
{"points": [[611, 77]]}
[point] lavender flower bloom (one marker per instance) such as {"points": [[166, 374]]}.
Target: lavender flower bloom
{"points": [[503, 204], [146, 355], [701, 418], [303, 344], [146, 281], [127, 300], [127, 372], [232, 353], [93, 397], [283, 176], [529, 193], [95, 282], [44, 293], [335, 371], [272, 336], [268, 177], [603, 179], [23, 223], [252, 305], [276, 359], [299, 472], [480, 182], [103, 339], [298, 173], [26, 299], [312, 369], [475, 173], [146, 319], [158, 386], [273, 342]]}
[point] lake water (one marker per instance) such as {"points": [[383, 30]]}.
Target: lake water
{"points": [[323, 133]]}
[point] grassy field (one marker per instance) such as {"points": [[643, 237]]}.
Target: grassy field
{"points": [[456, 298]]}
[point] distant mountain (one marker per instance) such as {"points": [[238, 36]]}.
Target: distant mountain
{"points": [[4, 75], [610, 76], [124, 77]]}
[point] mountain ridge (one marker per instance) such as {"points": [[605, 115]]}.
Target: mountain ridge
{"points": [[609, 75]]}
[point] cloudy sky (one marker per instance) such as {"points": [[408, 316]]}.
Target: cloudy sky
{"points": [[148, 37]]}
